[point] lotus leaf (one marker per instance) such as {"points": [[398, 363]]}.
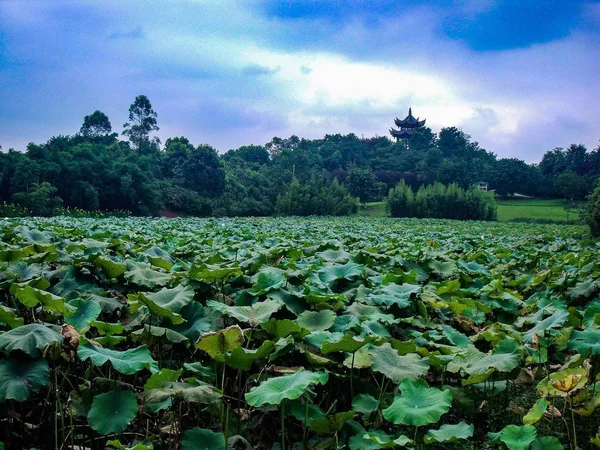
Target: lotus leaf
{"points": [[30, 339], [274, 390], [19, 378], [126, 362], [112, 412], [418, 404]]}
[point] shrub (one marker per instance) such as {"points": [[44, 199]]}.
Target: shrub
{"points": [[591, 212], [41, 199], [442, 202], [318, 197]]}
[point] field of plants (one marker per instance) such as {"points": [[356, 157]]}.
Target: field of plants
{"points": [[354, 333]]}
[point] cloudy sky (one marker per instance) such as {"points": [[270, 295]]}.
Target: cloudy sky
{"points": [[520, 76]]}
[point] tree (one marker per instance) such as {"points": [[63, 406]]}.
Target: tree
{"points": [[142, 120], [202, 172], [554, 162], [95, 125], [591, 212], [570, 185], [362, 183], [41, 199]]}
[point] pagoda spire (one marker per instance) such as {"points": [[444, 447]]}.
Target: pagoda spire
{"points": [[406, 126]]}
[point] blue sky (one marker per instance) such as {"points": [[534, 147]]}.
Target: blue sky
{"points": [[521, 77]]}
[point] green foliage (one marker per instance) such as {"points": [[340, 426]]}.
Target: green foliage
{"points": [[439, 201], [19, 378], [318, 197], [366, 331], [113, 411], [591, 212], [40, 199]]}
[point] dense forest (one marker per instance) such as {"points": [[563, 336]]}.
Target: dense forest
{"points": [[96, 170]]}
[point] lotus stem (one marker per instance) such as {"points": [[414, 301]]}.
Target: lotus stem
{"points": [[352, 375], [283, 425]]}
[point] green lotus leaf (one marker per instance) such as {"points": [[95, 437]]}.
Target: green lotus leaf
{"points": [[21, 271], [347, 271], [583, 289], [474, 362], [389, 442], [242, 358], [166, 302], [201, 439], [304, 412], [369, 312], [199, 370], [546, 443], [9, 317], [30, 296], [254, 315], [455, 337], [387, 361], [105, 328], [144, 334], [139, 446], [394, 294], [143, 275], [197, 320], [268, 281], [85, 312], [444, 269], [274, 390], [172, 299], [126, 362], [332, 423], [365, 403], [518, 438], [316, 320], [213, 273], [157, 379], [112, 267], [418, 404], [449, 433], [361, 359], [284, 328], [348, 343], [30, 339], [585, 342], [191, 391], [218, 343], [536, 412], [374, 439], [108, 304], [334, 256], [159, 258], [112, 412], [18, 378]]}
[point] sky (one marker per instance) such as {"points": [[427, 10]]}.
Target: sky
{"points": [[520, 76]]}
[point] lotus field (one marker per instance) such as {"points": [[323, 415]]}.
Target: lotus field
{"points": [[355, 333]]}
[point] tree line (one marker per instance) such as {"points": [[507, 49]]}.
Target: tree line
{"points": [[95, 169]]}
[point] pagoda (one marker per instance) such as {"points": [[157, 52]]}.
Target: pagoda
{"points": [[407, 126]]}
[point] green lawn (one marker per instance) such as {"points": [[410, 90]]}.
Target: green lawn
{"points": [[373, 209], [536, 209], [507, 210]]}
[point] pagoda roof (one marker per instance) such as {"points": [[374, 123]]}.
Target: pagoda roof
{"points": [[410, 121], [402, 133]]}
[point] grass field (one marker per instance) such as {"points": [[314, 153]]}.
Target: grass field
{"points": [[534, 209]]}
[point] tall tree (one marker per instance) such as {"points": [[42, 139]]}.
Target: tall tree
{"points": [[96, 125], [142, 120]]}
